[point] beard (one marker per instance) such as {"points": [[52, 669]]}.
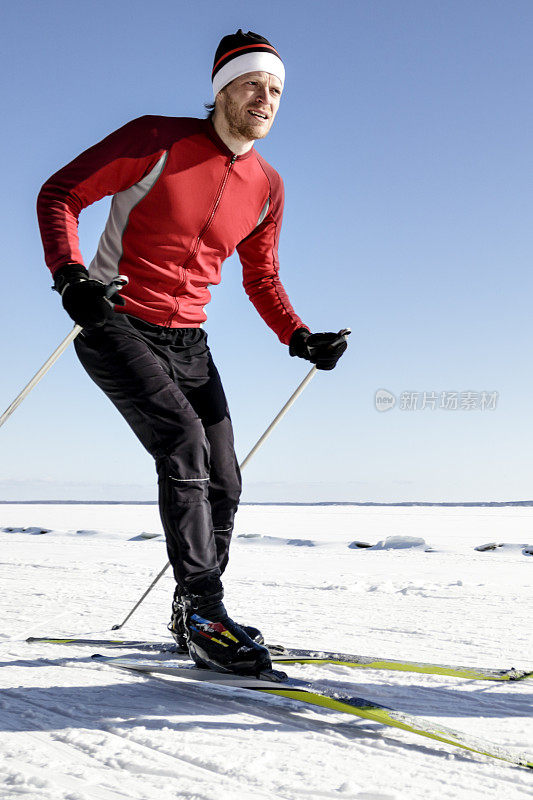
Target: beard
{"points": [[239, 122]]}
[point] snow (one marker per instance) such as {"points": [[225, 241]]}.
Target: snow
{"points": [[73, 729]]}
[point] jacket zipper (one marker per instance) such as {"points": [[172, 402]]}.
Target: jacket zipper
{"points": [[209, 220], [207, 223]]}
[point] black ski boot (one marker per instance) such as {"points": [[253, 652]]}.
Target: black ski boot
{"points": [[176, 626], [218, 643]]}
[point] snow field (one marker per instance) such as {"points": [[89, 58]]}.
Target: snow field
{"points": [[72, 729]]}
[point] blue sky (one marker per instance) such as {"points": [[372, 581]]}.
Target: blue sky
{"points": [[404, 141]]}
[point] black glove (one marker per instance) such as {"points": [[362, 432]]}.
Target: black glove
{"points": [[84, 299], [322, 349]]}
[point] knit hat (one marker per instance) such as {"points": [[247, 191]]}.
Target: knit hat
{"points": [[240, 53]]}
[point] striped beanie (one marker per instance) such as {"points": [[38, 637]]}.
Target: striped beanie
{"points": [[240, 53]]}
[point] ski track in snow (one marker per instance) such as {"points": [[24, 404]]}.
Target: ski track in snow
{"points": [[72, 729]]}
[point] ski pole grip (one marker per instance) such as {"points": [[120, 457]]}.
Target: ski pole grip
{"points": [[116, 285], [341, 334]]}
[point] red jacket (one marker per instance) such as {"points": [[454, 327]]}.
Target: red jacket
{"points": [[182, 203]]}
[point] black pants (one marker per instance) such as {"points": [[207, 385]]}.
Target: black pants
{"points": [[166, 386]]}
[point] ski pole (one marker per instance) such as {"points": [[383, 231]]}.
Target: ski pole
{"points": [[292, 399], [115, 286], [294, 396]]}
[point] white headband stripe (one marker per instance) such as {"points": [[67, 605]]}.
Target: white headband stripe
{"points": [[248, 62]]}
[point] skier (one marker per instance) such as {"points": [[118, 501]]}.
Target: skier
{"points": [[186, 193]]}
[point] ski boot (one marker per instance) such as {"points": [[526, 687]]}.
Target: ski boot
{"points": [[216, 642], [176, 626]]}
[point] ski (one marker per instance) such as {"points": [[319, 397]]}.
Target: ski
{"points": [[369, 662], [281, 655], [322, 697], [129, 644]]}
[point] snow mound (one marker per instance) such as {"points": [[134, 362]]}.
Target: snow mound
{"points": [[146, 535], [124, 534], [278, 540], [526, 549], [33, 531], [399, 543]]}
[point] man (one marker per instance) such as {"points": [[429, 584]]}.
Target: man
{"points": [[186, 194]]}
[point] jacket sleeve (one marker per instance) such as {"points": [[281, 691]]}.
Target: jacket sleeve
{"points": [[114, 164], [259, 257]]}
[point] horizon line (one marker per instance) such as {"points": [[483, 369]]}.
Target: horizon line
{"points": [[398, 503]]}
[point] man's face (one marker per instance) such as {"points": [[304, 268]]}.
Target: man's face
{"points": [[249, 104]]}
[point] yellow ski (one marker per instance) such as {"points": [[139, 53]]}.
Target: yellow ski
{"points": [[325, 698]]}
